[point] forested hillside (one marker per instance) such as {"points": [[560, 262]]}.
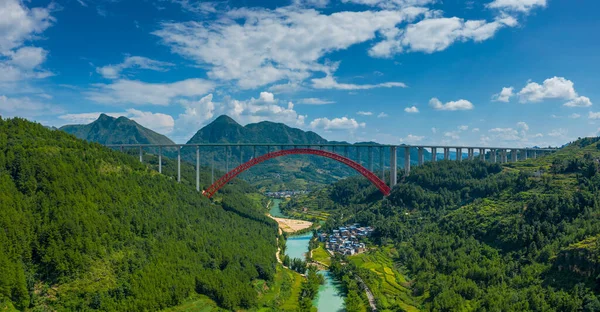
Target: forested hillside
{"points": [[84, 227], [475, 236]]}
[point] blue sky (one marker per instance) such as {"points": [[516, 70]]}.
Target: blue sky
{"points": [[494, 72]]}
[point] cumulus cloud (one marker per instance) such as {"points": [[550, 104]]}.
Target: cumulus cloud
{"points": [[517, 5], [161, 123], [452, 105], [463, 128], [437, 34], [455, 135], [18, 25], [314, 101], [364, 113], [382, 115], [410, 139], [125, 91], [343, 123], [504, 95], [558, 132], [413, 109], [140, 62], [574, 116], [594, 115], [475, 130], [256, 47], [553, 88]]}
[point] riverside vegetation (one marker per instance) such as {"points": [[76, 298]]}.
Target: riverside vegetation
{"points": [[476, 236]]}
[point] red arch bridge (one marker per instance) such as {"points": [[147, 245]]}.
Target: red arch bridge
{"points": [[491, 154]]}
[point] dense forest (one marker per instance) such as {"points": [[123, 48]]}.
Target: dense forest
{"points": [[479, 236], [84, 227]]}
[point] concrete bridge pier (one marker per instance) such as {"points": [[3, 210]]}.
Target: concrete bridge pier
{"points": [[381, 166], [514, 155], [254, 151], [470, 153], [493, 155], [227, 158], [433, 154], [482, 154], [393, 167], [421, 157], [160, 159], [534, 156], [179, 164], [141, 155], [198, 168], [406, 161], [459, 154], [370, 158], [525, 154], [503, 156], [346, 151], [446, 153]]}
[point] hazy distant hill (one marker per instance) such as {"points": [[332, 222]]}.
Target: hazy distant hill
{"points": [[110, 130]]}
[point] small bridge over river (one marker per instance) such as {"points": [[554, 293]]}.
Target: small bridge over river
{"points": [[339, 153]]}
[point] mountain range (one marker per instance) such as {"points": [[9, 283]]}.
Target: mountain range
{"points": [[292, 172]]}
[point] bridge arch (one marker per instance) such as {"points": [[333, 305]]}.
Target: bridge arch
{"points": [[211, 190]]}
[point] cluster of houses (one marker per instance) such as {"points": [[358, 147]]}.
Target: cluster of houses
{"points": [[345, 239], [285, 194]]}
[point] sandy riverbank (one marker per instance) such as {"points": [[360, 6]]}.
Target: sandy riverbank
{"points": [[291, 225]]}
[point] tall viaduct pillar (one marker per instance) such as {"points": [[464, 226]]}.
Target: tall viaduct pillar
{"points": [[434, 154], [446, 153], [514, 155], [406, 161], [525, 154], [421, 157], [393, 167], [470, 153], [381, 150], [459, 154], [493, 155], [160, 159]]}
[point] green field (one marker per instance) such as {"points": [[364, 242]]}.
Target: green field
{"points": [[197, 303], [388, 285], [282, 294], [321, 255]]}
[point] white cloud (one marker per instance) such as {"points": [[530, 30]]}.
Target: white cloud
{"points": [[114, 71], [142, 93], [382, 115], [328, 82], [505, 134], [475, 130], [413, 109], [558, 132], [452, 134], [553, 88], [580, 101], [343, 123], [437, 34], [364, 113], [19, 24], [594, 115], [311, 3], [412, 139], [463, 128], [196, 114], [516, 5], [158, 122], [574, 116], [314, 101], [504, 95], [452, 105], [25, 107], [256, 47], [289, 87], [434, 130]]}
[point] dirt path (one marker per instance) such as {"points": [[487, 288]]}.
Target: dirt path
{"points": [[368, 292]]}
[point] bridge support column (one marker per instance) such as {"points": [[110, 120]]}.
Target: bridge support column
{"points": [[226, 158], [393, 167], [459, 154], [346, 151], [446, 153], [534, 156], [524, 154], [160, 159], [198, 168], [370, 158], [470, 153], [433, 154], [493, 155], [514, 155], [141, 155], [503, 159], [482, 154], [178, 163], [254, 151], [406, 161], [121, 148], [421, 157], [381, 150]]}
